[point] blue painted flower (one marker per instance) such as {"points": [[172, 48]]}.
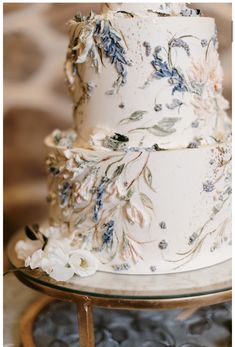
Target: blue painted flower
{"points": [[111, 44], [65, 193], [163, 70], [99, 198], [208, 186], [108, 234]]}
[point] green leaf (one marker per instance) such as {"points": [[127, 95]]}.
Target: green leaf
{"points": [[148, 177], [30, 233], [134, 117], [118, 170], [127, 13], [137, 115], [45, 239], [164, 127], [158, 131], [147, 202], [168, 122]]}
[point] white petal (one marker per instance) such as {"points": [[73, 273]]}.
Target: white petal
{"points": [[83, 263], [68, 154], [25, 249], [46, 266], [36, 259], [61, 273], [27, 261]]}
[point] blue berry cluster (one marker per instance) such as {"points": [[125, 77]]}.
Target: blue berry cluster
{"points": [[182, 44]]}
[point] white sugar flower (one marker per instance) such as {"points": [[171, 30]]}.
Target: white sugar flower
{"points": [[54, 265], [136, 212], [35, 260], [61, 273], [58, 251], [56, 261], [83, 263], [25, 249], [54, 232]]}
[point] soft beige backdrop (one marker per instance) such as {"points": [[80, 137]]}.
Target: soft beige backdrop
{"points": [[36, 99]]}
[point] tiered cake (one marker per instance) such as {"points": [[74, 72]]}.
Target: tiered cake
{"points": [[143, 183]]}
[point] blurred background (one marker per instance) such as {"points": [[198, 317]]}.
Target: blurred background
{"points": [[36, 100]]}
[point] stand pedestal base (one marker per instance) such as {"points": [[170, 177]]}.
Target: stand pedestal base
{"points": [[45, 319]]}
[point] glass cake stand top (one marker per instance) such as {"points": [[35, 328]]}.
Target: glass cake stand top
{"points": [[211, 280]]}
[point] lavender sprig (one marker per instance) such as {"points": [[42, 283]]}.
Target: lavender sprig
{"points": [[108, 234], [110, 42], [99, 198], [164, 70]]}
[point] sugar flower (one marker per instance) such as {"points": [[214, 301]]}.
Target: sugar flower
{"points": [[24, 249], [83, 263]]}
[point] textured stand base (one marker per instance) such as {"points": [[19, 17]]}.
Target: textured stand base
{"points": [[56, 326]]}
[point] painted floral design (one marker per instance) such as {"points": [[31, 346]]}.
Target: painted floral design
{"points": [[206, 77], [102, 198], [136, 212], [165, 68], [58, 258], [220, 186], [95, 38]]}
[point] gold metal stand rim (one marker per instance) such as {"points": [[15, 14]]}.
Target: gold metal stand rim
{"points": [[138, 304]]}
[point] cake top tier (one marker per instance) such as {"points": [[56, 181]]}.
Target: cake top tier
{"points": [[160, 9], [145, 74]]}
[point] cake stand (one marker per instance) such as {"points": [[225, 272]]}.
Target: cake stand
{"points": [[186, 290]]}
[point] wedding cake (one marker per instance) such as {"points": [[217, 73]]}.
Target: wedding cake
{"points": [[142, 184]]}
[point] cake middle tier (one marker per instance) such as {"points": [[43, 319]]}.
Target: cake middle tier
{"points": [[140, 211], [155, 80]]}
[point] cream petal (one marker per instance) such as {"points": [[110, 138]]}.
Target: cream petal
{"points": [[36, 259], [136, 213], [68, 154], [26, 248], [52, 232], [46, 265], [61, 273], [83, 263]]}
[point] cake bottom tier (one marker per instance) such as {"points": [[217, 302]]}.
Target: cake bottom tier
{"points": [[142, 211]]}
